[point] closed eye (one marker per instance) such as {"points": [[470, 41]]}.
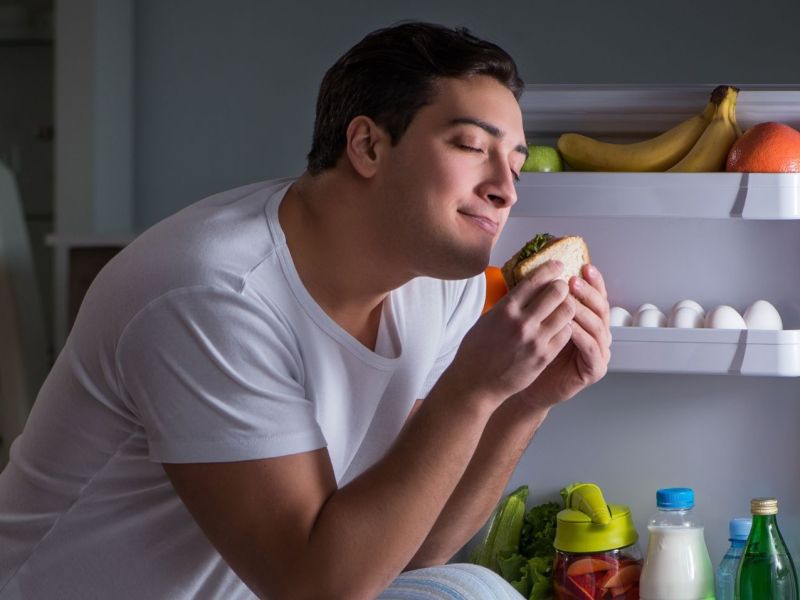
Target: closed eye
{"points": [[469, 148]]}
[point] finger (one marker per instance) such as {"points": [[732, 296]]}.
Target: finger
{"points": [[593, 357], [559, 339], [594, 325], [560, 316], [548, 300], [591, 297], [562, 337], [526, 289], [593, 276]]}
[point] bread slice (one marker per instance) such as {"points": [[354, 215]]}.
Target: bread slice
{"points": [[570, 250]]}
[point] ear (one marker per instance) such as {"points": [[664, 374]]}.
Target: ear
{"points": [[366, 142]]}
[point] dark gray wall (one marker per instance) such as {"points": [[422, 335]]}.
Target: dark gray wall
{"points": [[225, 92]]}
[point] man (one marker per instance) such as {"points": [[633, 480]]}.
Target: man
{"points": [[238, 408]]}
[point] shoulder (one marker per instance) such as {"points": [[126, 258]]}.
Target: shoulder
{"points": [[222, 237], [212, 312], [213, 244], [180, 288], [194, 325]]}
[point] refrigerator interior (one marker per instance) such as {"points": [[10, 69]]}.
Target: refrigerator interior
{"points": [[730, 437], [675, 408]]}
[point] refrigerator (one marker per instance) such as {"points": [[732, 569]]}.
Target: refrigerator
{"points": [[711, 409]]}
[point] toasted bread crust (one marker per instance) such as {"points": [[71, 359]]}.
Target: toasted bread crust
{"points": [[508, 271], [515, 270]]}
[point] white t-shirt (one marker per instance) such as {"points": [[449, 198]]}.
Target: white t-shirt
{"points": [[199, 343]]}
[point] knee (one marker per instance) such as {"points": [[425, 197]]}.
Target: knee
{"points": [[450, 582]]}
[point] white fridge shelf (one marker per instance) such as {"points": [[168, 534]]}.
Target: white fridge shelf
{"points": [[766, 196], [705, 351]]}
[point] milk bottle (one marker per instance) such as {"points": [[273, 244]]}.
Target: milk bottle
{"points": [[677, 565]]}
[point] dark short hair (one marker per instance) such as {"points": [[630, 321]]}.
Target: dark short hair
{"points": [[390, 74]]}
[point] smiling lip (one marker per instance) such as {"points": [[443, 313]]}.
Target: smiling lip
{"points": [[484, 223]]}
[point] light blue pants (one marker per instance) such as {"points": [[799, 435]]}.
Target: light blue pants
{"points": [[450, 582]]}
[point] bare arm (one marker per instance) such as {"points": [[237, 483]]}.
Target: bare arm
{"points": [[505, 439], [513, 424], [287, 530]]}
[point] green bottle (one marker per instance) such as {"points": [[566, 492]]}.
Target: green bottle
{"points": [[766, 571]]}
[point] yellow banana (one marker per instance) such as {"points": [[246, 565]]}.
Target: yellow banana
{"points": [[711, 149], [584, 153], [732, 116]]}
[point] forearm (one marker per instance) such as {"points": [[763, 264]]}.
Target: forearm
{"points": [[505, 439], [370, 529]]}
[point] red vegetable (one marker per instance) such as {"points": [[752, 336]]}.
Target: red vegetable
{"points": [[599, 576]]}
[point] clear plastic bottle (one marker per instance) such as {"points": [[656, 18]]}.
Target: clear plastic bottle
{"points": [[738, 530], [677, 565]]}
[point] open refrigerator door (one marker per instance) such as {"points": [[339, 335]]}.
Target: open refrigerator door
{"points": [[711, 409]]}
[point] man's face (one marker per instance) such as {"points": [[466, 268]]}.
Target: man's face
{"points": [[448, 185]]}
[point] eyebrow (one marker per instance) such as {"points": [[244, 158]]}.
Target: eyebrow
{"points": [[488, 128]]}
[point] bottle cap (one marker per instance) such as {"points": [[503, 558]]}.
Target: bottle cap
{"points": [[764, 506], [576, 532], [675, 498], [587, 498], [739, 528]]}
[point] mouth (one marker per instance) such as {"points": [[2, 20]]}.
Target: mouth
{"points": [[485, 223]]}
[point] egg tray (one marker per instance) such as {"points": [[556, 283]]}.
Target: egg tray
{"points": [[708, 351]]}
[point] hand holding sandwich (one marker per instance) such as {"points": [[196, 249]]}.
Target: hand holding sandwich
{"points": [[512, 344], [549, 337], [584, 360], [538, 345]]}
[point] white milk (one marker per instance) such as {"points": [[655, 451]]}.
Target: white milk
{"points": [[677, 566]]}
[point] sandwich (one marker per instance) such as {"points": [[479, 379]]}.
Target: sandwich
{"points": [[570, 250]]}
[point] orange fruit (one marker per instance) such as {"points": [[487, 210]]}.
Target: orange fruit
{"points": [[766, 148], [495, 287]]}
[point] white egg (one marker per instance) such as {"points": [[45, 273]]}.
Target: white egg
{"points": [[762, 315], [650, 317], [619, 317], [643, 307], [725, 317], [688, 304], [686, 317]]}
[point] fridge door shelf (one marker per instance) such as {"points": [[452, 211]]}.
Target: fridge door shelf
{"points": [[706, 351], [637, 112], [765, 196]]}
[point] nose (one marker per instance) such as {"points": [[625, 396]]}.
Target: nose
{"points": [[498, 185]]}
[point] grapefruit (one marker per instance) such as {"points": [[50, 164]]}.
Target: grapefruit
{"points": [[766, 148]]}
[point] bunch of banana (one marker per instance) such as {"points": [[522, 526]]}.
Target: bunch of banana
{"points": [[711, 149], [692, 145]]}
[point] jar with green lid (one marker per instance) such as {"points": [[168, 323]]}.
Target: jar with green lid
{"points": [[597, 554]]}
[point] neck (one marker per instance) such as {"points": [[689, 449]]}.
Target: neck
{"points": [[335, 249]]}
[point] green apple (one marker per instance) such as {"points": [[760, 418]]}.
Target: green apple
{"points": [[543, 159]]}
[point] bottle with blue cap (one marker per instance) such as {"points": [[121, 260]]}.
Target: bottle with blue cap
{"points": [[725, 585], [677, 565]]}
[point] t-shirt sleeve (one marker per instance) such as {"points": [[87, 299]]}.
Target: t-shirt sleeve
{"points": [[466, 308], [215, 376]]}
